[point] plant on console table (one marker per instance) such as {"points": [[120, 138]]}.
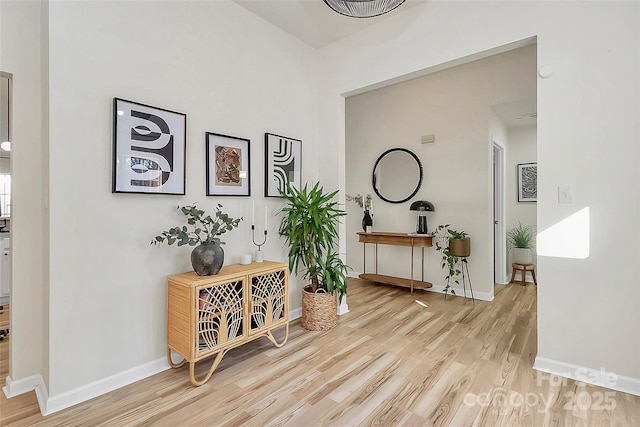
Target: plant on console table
{"points": [[202, 229], [310, 228], [458, 245]]}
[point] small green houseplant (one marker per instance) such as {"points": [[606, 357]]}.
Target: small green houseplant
{"points": [[520, 241], [202, 229], [310, 229], [458, 245]]}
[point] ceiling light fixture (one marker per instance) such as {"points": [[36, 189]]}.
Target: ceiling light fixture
{"points": [[363, 8]]}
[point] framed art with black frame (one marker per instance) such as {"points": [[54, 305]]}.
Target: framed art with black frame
{"points": [[283, 163], [227, 165], [527, 182], [149, 146]]}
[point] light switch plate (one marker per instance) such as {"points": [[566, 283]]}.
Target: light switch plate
{"points": [[565, 194]]}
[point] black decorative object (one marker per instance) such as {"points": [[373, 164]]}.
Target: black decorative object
{"points": [[367, 221], [527, 182], [422, 206], [259, 254], [149, 147], [363, 8], [397, 175], [207, 258]]}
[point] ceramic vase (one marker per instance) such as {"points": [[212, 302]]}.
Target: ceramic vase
{"points": [[207, 259]]}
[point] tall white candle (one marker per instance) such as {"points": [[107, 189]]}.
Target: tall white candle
{"points": [[253, 212]]}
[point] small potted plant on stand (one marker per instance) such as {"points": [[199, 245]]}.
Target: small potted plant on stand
{"points": [[310, 229], [458, 246], [206, 258], [520, 242]]}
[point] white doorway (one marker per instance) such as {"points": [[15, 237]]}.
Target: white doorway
{"points": [[499, 214]]}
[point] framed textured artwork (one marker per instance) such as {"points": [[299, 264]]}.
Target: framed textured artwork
{"points": [[528, 182], [227, 165], [283, 161], [149, 145]]}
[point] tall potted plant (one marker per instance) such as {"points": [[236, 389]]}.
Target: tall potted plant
{"points": [[203, 230], [458, 245], [520, 242], [310, 228]]}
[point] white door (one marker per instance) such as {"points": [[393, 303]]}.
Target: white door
{"points": [[499, 228], [5, 268]]}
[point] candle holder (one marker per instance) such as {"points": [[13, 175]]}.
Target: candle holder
{"points": [[259, 254]]}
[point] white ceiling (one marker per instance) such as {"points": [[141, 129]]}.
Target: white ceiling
{"points": [[518, 114], [314, 23]]}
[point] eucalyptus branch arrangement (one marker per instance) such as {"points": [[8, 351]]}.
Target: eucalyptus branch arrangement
{"points": [[201, 227]]}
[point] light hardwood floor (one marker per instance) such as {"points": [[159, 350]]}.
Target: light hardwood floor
{"points": [[390, 362]]}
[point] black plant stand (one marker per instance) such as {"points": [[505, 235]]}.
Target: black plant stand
{"points": [[465, 268]]}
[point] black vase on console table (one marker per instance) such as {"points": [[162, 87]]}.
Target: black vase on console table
{"points": [[367, 221]]}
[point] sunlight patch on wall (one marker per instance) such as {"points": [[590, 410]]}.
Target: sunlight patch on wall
{"points": [[568, 238]]}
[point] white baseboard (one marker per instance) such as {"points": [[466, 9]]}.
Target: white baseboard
{"points": [[295, 314], [598, 377], [343, 308], [504, 280], [105, 385], [32, 383]]}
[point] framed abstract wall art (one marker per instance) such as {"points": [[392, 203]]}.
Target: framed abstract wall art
{"points": [[149, 145], [283, 163], [527, 182], [227, 165]]}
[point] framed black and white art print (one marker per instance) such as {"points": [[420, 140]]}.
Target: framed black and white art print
{"points": [[528, 182], [283, 161], [149, 149], [227, 165]]}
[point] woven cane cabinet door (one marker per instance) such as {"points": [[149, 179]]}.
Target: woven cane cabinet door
{"points": [[210, 315], [269, 304]]}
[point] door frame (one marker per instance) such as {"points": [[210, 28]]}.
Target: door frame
{"points": [[498, 155]]}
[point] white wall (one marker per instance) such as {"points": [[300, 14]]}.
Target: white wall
{"points": [[455, 105], [23, 55], [230, 72], [587, 138], [521, 148]]}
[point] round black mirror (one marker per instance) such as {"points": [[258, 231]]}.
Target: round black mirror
{"points": [[397, 175]]}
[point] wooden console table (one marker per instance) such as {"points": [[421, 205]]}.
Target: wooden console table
{"points": [[396, 239], [210, 315]]}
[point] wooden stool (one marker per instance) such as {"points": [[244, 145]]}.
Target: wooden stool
{"points": [[523, 268]]}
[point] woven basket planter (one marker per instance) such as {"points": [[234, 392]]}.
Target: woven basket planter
{"points": [[319, 310]]}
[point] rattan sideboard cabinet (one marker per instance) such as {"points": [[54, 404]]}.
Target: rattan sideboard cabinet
{"points": [[210, 315]]}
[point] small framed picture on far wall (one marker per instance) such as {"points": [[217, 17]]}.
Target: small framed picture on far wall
{"points": [[527, 182]]}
